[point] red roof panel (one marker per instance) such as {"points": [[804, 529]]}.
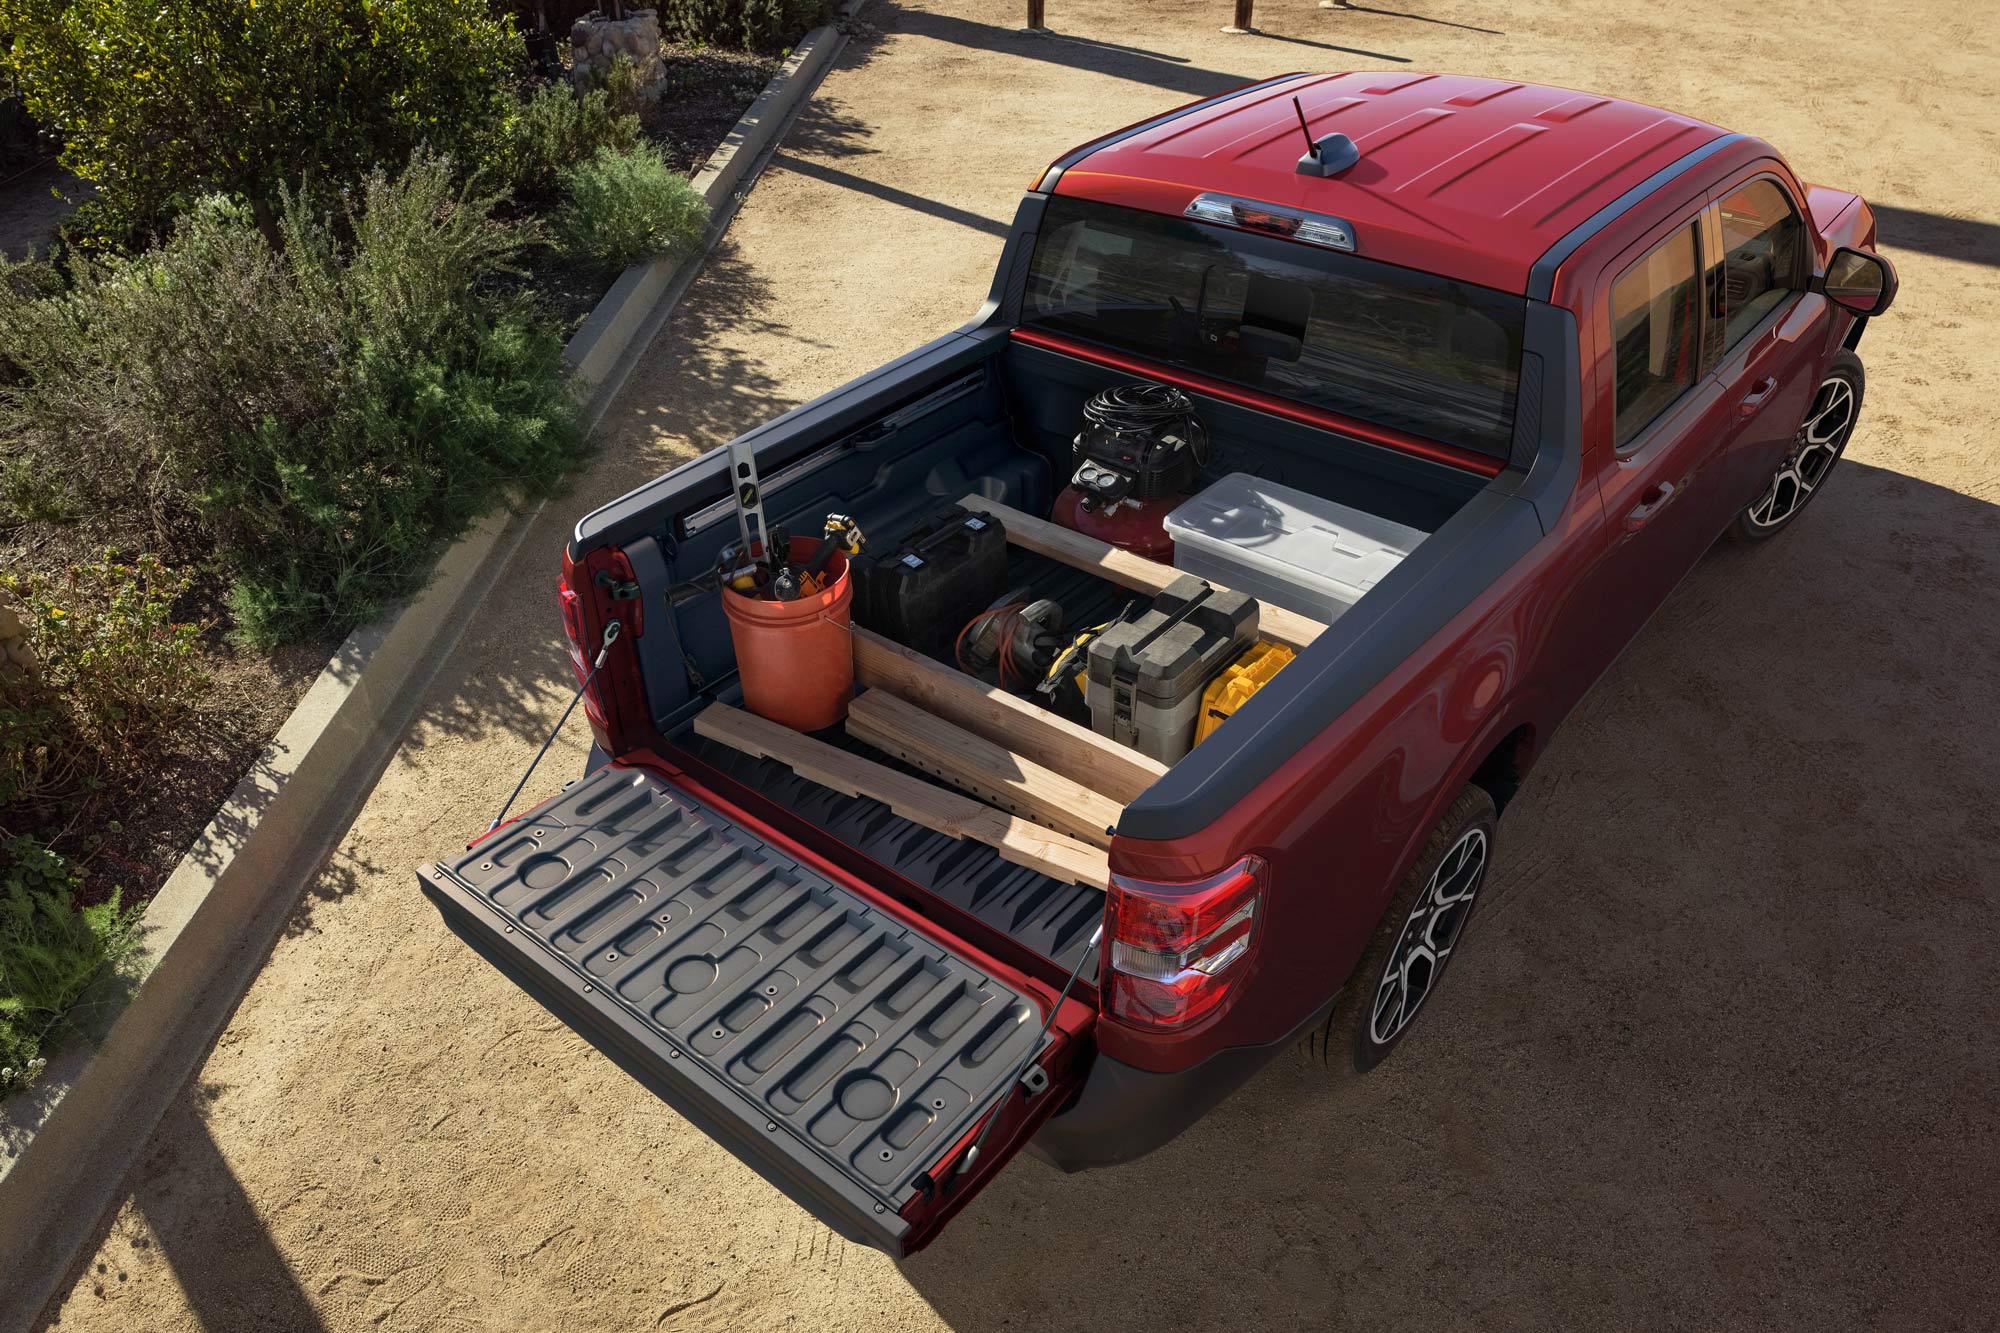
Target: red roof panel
{"points": [[1471, 178]]}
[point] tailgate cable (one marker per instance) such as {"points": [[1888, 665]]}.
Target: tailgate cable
{"points": [[1021, 1070], [603, 651]]}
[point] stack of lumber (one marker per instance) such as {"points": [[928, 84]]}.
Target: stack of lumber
{"points": [[1049, 792]]}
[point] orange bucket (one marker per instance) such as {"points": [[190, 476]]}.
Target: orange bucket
{"points": [[796, 659]]}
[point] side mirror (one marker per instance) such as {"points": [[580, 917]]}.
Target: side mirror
{"points": [[1859, 281]]}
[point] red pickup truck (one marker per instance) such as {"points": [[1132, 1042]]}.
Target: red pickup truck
{"points": [[1563, 340]]}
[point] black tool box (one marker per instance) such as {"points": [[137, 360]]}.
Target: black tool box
{"points": [[924, 589]]}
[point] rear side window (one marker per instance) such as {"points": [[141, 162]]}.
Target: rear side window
{"points": [[1763, 243], [1369, 340], [1656, 331]]}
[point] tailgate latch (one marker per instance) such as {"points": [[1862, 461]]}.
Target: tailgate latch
{"points": [[621, 590], [1033, 1080]]}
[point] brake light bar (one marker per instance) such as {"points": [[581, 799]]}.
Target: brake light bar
{"points": [[1294, 224], [1179, 952]]}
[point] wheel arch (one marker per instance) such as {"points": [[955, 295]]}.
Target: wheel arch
{"points": [[1501, 770]]}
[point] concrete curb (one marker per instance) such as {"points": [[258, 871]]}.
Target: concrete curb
{"points": [[210, 928], [624, 322]]}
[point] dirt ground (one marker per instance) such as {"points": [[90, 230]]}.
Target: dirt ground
{"points": [[1722, 1052]]}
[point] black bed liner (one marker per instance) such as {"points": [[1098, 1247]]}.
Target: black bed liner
{"points": [[1053, 917], [829, 1046]]}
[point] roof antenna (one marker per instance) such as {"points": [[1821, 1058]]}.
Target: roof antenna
{"points": [[1324, 157]]}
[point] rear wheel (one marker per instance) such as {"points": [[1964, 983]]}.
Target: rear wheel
{"points": [[1822, 437], [1420, 932]]}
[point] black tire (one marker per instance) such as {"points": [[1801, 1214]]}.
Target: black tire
{"points": [[1354, 1040], [1809, 465]]}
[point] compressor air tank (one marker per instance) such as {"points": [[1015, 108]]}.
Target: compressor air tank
{"points": [[1137, 457]]}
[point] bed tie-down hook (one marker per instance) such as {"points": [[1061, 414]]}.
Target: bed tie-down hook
{"points": [[611, 633]]}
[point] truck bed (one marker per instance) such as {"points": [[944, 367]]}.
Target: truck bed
{"points": [[1050, 916]]}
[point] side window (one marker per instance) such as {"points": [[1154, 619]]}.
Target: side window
{"points": [[1656, 331], [1762, 244]]}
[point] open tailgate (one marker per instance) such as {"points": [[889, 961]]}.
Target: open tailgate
{"points": [[845, 1051]]}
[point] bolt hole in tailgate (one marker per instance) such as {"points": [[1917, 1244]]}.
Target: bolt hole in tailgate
{"points": [[840, 1046]]}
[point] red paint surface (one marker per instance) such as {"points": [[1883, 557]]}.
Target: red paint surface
{"points": [[1467, 177]]}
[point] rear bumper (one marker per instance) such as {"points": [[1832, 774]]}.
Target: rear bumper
{"points": [[1123, 1112]]}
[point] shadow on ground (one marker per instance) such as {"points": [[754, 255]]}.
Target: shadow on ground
{"points": [[1720, 1049], [1969, 239], [220, 1251]]}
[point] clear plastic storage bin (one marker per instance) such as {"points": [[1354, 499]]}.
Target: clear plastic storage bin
{"points": [[1284, 547]]}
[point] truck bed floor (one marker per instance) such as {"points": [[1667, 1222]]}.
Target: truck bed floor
{"points": [[1051, 917]]}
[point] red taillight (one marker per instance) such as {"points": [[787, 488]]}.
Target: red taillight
{"points": [[1179, 951], [579, 660]]}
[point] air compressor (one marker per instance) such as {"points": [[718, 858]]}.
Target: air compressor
{"points": [[1136, 458]]}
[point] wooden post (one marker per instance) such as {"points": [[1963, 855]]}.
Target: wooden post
{"points": [[1035, 23], [1245, 19], [1014, 724], [1054, 854], [1069, 547]]}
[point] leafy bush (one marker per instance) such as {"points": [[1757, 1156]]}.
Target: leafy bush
{"points": [[40, 765], [555, 129], [624, 207], [753, 25], [111, 650], [51, 954], [324, 415], [157, 105]]}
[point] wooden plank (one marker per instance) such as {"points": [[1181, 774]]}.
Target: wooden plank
{"points": [[1014, 724], [1055, 854], [1132, 571], [991, 772]]}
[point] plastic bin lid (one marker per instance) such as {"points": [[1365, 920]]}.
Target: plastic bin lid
{"points": [[1292, 536]]}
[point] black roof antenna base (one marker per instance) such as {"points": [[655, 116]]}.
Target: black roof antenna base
{"points": [[1328, 156]]}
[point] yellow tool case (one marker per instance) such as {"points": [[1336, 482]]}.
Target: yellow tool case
{"points": [[1232, 688]]}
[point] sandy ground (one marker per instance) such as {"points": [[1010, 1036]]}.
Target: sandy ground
{"points": [[1722, 1052]]}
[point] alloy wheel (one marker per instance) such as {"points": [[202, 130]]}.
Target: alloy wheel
{"points": [[1429, 934], [1811, 457]]}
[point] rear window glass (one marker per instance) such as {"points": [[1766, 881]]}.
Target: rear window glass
{"points": [[1383, 344]]}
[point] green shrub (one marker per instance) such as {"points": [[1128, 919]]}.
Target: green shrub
{"points": [[111, 651], [555, 129], [323, 416], [52, 955], [41, 762], [159, 104], [752, 25], [624, 207]]}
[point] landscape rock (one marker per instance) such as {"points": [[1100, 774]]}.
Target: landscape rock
{"points": [[597, 41]]}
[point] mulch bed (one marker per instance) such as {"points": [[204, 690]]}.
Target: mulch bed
{"points": [[707, 92], [154, 804]]}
